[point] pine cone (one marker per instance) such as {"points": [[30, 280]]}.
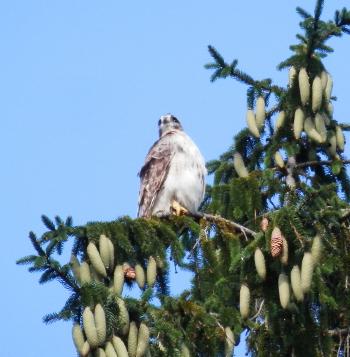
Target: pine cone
{"points": [[304, 86], [298, 123], [119, 346], [251, 122], [260, 113], [280, 120], [132, 339], [276, 242], [239, 166], [295, 279], [264, 224], [339, 138], [329, 87], [118, 279], [129, 271]]}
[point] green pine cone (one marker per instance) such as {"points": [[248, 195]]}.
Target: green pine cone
{"points": [[316, 94], [298, 123], [304, 86], [283, 289], [110, 351], [132, 339], [85, 274], [140, 276], [244, 301], [251, 122], [142, 340], [260, 264], [295, 279], [96, 260], [119, 347], [307, 268], [100, 322], [151, 271], [239, 166], [260, 112], [229, 342], [123, 316], [118, 279], [90, 327]]}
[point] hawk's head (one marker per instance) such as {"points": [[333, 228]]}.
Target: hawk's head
{"points": [[168, 122]]}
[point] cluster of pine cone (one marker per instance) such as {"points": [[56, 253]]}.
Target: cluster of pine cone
{"points": [[300, 278], [129, 339], [313, 117]]}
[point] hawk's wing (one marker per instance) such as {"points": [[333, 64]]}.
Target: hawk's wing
{"points": [[154, 172]]}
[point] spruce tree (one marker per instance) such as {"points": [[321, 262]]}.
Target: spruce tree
{"points": [[268, 252]]}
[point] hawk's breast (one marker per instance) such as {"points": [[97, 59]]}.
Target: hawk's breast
{"points": [[185, 178]]}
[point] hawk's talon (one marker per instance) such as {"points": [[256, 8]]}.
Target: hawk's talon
{"points": [[177, 209]]}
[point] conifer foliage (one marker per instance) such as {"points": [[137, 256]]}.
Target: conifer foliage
{"points": [[269, 255]]}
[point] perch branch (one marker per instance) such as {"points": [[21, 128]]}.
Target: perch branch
{"points": [[338, 332], [220, 220]]}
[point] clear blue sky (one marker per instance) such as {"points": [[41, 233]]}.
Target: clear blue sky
{"points": [[82, 85]]}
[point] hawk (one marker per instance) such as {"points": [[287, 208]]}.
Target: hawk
{"points": [[172, 177]]}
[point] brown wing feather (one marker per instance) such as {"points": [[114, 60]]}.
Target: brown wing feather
{"points": [[153, 173]]}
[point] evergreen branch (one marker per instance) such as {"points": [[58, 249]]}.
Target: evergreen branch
{"points": [[51, 318], [342, 19], [50, 248], [59, 221], [245, 78], [211, 66], [36, 268], [314, 40], [345, 127], [333, 31], [312, 45], [259, 310], [297, 234], [36, 244], [217, 57], [303, 13], [69, 221], [48, 223], [273, 111], [215, 75], [316, 163], [301, 38], [224, 70], [218, 220], [26, 260], [338, 332], [345, 213], [221, 327], [47, 276], [318, 9], [54, 267]]}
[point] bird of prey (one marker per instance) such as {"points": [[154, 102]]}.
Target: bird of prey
{"points": [[172, 177]]}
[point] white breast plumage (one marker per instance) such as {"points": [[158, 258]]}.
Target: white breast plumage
{"points": [[174, 170]]}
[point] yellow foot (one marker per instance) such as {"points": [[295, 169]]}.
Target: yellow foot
{"points": [[177, 209]]}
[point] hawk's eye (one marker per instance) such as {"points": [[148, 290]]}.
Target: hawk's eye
{"points": [[175, 120]]}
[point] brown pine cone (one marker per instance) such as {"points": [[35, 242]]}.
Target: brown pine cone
{"points": [[276, 242]]}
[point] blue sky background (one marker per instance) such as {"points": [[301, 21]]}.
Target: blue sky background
{"points": [[82, 85]]}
